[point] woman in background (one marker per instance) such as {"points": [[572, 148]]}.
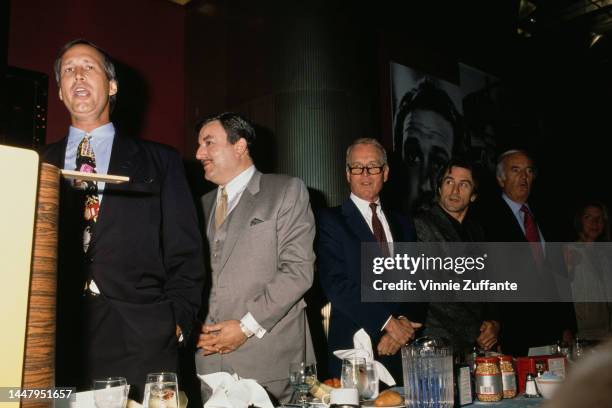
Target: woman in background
{"points": [[590, 270]]}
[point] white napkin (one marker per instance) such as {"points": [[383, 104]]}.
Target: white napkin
{"points": [[363, 349], [231, 391]]}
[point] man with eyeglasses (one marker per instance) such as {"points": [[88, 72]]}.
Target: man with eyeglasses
{"points": [[341, 230]]}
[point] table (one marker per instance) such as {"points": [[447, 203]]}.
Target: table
{"points": [[517, 402]]}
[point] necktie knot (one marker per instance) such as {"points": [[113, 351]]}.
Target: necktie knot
{"points": [[525, 210], [373, 207]]}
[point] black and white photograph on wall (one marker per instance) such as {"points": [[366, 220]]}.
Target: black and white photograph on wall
{"points": [[428, 130], [482, 95]]}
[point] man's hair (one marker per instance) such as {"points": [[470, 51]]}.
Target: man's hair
{"points": [[464, 164], [367, 141], [427, 95], [107, 64], [605, 235], [235, 126], [499, 168]]}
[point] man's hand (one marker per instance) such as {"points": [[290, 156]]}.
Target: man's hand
{"points": [[489, 329], [401, 329], [222, 338], [387, 346]]}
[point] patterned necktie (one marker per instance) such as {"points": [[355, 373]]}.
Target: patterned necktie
{"points": [[221, 210], [379, 231], [532, 234], [86, 162]]}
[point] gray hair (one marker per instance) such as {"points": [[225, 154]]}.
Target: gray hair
{"points": [[499, 168], [367, 141]]}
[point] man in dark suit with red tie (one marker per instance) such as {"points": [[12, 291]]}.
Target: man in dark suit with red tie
{"points": [[341, 230], [130, 265], [510, 218]]}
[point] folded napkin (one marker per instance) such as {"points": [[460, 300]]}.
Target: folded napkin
{"points": [[363, 349], [231, 391]]}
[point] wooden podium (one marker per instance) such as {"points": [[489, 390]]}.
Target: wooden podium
{"points": [[29, 208]]}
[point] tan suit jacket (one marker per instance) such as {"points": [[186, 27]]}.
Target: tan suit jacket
{"points": [[265, 267]]}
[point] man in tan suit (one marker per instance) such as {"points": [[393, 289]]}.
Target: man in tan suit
{"points": [[260, 230]]}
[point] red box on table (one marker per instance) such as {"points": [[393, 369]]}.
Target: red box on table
{"points": [[555, 363]]}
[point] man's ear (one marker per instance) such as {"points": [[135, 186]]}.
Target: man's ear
{"points": [[473, 198], [500, 181], [59, 93], [112, 88], [240, 146]]}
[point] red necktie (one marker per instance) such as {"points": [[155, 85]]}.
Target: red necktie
{"points": [[379, 231], [532, 234]]}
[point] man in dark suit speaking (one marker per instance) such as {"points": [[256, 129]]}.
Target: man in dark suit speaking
{"points": [[341, 230], [130, 269]]}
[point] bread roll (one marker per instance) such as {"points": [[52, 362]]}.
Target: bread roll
{"points": [[388, 398]]}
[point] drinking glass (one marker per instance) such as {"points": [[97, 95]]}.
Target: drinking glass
{"points": [[161, 391], [354, 374], [110, 392], [370, 390], [302, 376]]}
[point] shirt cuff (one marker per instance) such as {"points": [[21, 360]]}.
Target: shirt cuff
{"points": [[386, 321], [251, 325]]}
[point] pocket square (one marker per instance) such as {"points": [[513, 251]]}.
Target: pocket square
{"points": [[255, 221]]}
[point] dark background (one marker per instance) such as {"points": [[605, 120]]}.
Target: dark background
{"points": [[313, 77]]}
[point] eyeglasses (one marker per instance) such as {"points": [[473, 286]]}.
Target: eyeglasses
{"points": [[372, 170]]}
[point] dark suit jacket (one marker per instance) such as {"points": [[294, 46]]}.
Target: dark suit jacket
{"points": [[145, 256], [458, 321], [341, 230], [521, 328]]}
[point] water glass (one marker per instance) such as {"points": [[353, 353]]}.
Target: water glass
{"points": [[354, 374], [110, 392], [370, 390], [161, 391], [302, 376]]}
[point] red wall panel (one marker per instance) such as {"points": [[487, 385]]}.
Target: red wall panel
{"points": [[148, 36]]}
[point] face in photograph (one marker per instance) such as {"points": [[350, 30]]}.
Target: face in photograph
{"points": [[428, 146]]}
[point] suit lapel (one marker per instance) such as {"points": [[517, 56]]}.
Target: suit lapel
{"points": [[394, 226], [124, 161], [55, 154], [240, 217], [355, 221], [208, 205]]}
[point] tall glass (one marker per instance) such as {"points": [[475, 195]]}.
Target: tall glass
{"points": [[354, 374], [161, 391], [370, 390], [110, 392], [302, 376], [428, 373]]}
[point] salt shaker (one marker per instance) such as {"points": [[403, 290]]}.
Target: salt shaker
{"points": [[530, 387]]}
